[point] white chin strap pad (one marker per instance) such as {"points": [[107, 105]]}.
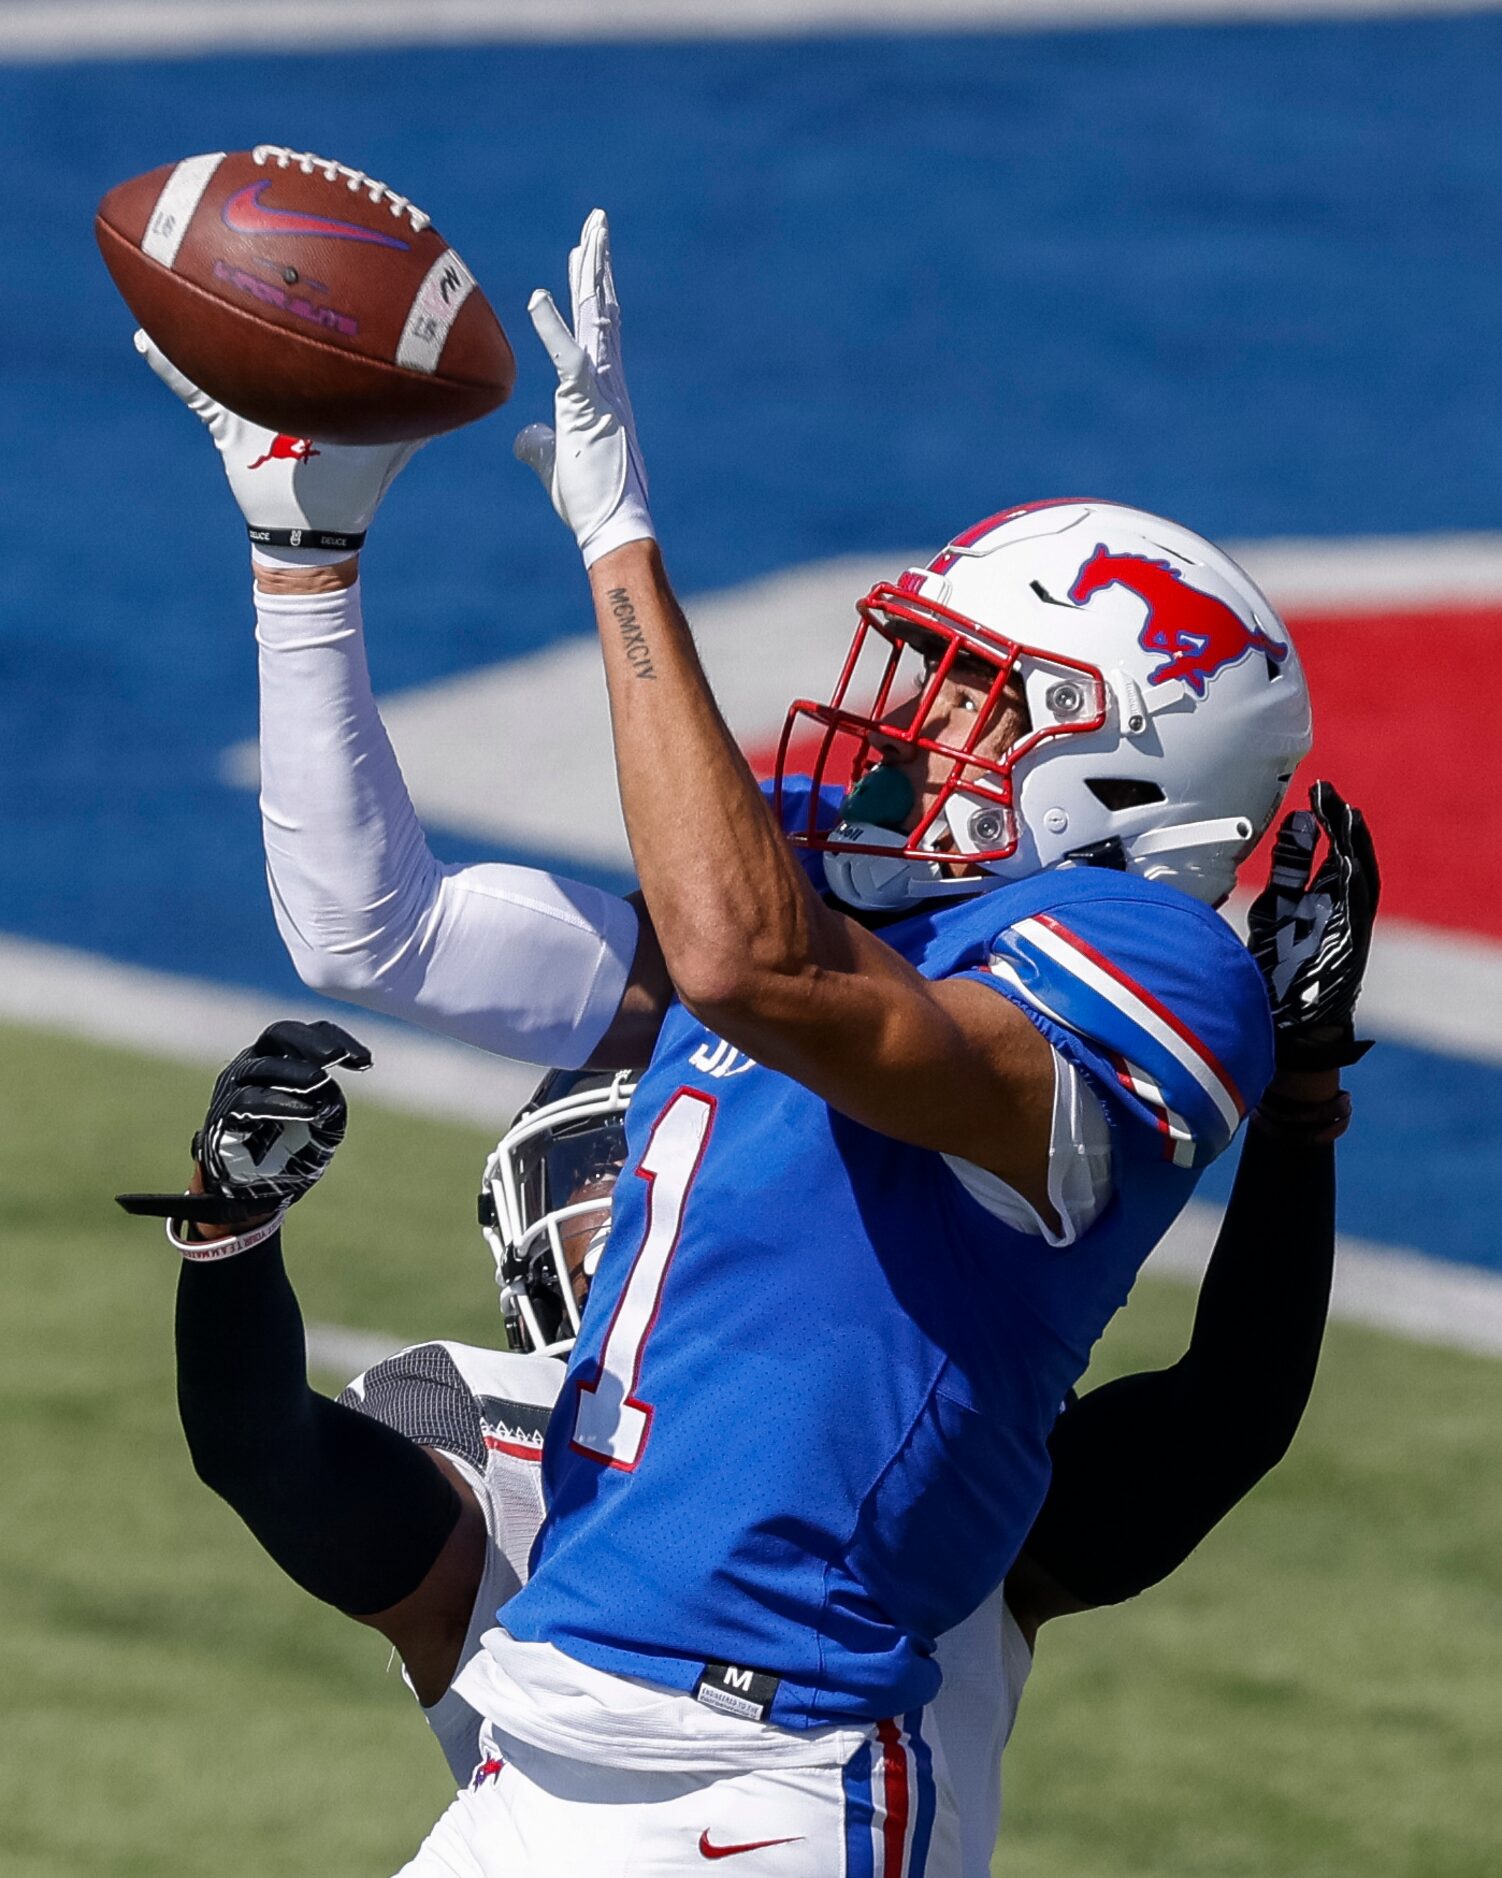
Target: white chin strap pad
{"points": [[876, 883], [1199, 858], [872, 882]]}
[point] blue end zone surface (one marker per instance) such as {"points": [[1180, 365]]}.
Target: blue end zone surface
{"points": [[875, 288]]}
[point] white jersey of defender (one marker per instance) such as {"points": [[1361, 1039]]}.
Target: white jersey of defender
{"points": [[487, 1410]]}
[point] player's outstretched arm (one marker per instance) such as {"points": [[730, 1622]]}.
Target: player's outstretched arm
{"points": [[513, 959], [749, 945], [508, 958], [1146, 1466], [357, 1514]]}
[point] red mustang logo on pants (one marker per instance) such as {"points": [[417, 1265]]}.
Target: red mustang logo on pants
{"points": [[287, 450], [1200, 634]]}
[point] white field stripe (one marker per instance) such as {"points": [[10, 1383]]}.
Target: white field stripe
{"points": [[1435, 990], [347, 1353], [1377, 571], [464, 740], [1142, 1015], [1453, 1307], [188, 1020], [1389, 1288], [78, 29]]}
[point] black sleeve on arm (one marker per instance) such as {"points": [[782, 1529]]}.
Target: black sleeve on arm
{"points": [[351, 1510], [1145, 1466]]}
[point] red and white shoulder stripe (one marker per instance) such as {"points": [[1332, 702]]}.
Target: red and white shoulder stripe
{"points": [[1074, 954]]}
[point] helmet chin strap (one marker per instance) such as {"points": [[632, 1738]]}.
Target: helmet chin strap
{"points": [[872, 816], [878, 883], [1182, 836], [1200, 858]]}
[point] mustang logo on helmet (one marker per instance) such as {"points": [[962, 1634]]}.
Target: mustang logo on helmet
{"points": [[1200, 634], [1039, 720]]}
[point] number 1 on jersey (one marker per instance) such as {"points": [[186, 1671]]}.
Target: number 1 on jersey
{"points": [[609, 1422]]}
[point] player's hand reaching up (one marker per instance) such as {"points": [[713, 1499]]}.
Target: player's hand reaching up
{"points": [[589, 460], [274, 1120], [305, 504], [1311, 932]]}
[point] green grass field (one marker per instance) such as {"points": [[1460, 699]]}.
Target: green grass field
{"points": [[1319, 1692]]}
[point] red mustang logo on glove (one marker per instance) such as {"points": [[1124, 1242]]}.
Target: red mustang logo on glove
{"points": [[287, 450], [1200, 634]]}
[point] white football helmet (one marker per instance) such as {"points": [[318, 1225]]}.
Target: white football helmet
{"points": [[545, 1202], [1167, 711]]}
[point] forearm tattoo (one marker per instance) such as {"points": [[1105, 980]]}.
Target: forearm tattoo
{"points": [[633, 639]]}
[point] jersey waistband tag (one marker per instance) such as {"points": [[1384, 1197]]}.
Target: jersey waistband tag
{"points": [[746, 1693]]}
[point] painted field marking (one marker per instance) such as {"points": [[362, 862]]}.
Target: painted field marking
{"points": [[469, 744], [1456, 1307], [345, 1353], [191, 1021], [83, 29], [1378, 1287]]}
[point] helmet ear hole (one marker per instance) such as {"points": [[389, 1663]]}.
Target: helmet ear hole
{"points": [[1123, 792]]}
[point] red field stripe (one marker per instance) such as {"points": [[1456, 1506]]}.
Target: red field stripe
{"points": [[1406, 725]]}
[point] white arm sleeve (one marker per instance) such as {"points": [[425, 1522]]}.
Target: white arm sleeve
{"points": [[509, 958]]}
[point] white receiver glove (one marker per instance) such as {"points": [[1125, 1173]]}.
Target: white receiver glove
{"points": [[305, 504], [589, 460]]}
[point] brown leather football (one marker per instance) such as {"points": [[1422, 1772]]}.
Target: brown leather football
{"points": [[305, 296]]}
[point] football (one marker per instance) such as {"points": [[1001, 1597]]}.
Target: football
{"points": [[306, 296]]}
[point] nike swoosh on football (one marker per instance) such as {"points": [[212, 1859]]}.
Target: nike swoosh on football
{"points": [[730, 1851], [243, 213]]}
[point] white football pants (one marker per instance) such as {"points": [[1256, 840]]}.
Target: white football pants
{"points": [[886, 1813]]}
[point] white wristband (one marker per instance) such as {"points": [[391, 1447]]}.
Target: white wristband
{"points": [[209, 1251]]}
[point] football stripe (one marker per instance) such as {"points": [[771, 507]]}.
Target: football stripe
{"points": [[176, 205], [927, 1800], [1075, 954], [1178, 1136], [447, 286], [856, 1788]]}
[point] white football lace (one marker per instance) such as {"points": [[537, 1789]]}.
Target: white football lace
{"points": [[353, 179]]}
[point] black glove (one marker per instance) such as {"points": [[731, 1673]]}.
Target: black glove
{"points": [[274, 1121], [1311, 937]]}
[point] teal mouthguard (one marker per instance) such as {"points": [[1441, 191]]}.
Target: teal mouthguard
{"points": [[883, 796]]}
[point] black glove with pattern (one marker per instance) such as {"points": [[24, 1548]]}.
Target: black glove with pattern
{"points": [[1311, 936], [274, 1121]]}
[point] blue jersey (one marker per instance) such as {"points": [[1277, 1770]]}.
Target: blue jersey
{"points": [[804, 1428]]}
